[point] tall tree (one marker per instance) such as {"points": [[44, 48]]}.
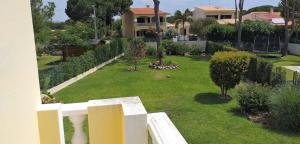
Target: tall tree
{"points": [[239, 26], [41, 16], [79, 10], [158, 35], [290, 8], [183, 18]]}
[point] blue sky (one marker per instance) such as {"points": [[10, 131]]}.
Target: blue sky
{"points": [[169, 5]]}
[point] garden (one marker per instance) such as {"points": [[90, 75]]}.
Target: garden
{"points": [[192, 99]]}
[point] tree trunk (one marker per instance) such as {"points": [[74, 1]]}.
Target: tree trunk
{"points": [[288, 34], [239, 38], [158, 36], [183, 27], [236, 13]]}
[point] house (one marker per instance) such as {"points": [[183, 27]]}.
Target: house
{"points": [[221, 14], [274, 18], [138, 21]]}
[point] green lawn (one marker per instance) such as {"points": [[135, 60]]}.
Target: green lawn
{"points": [[187, 95], [47, 61]]}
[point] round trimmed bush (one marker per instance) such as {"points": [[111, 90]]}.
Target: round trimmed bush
{"points": [[227, 68]]}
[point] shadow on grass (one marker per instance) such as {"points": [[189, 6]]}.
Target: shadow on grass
{"points": [[237, 112], [210, 99]]}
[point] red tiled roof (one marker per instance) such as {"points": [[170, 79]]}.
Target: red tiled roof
{"points": [[265, 15], [146, 11]]}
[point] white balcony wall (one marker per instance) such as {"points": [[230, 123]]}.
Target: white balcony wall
{"points": [[19, 85]]}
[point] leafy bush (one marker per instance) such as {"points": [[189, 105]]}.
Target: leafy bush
{"points": [[196, 50], [285, 108], [227, 68], [253, 98], [278, 77], [77, 65], [213, 47]]}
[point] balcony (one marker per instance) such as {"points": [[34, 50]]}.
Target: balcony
{"points": [[149, 24], [110, 121]]}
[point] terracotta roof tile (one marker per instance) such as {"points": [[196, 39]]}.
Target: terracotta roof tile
{"points": [[146, 11]]}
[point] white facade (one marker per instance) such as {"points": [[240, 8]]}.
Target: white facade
{"points": [[213, 12]]}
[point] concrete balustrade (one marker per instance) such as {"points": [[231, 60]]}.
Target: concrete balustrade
{"points": [[115, 121]]}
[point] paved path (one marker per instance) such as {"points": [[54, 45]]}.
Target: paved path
{"points": [[293, 68]]}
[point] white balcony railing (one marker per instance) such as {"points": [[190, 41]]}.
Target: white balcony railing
{"points": [[137, 123]]}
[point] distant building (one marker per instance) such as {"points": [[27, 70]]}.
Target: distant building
{"points": [[138, 21], [222, 15], [274, 18]]}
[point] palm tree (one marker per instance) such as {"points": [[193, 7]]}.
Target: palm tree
{"points": [[183, 18], [158, 35], [239, 26]]}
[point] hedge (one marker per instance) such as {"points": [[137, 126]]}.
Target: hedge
{"points": [[77, 65], [180, 48], [213, 47]]}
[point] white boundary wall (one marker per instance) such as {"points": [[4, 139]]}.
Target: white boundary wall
{"points": [[294, 49], [80, 76]]}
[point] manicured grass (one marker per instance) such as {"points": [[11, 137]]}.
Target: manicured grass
{"points": [[187, 95], [47, 61]]}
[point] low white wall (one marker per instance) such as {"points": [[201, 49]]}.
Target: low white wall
{"points": [[80, 76], [294, 49]]}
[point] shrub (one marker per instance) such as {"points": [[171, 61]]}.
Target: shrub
{"points": [[199, 26], [196, 50], [278, 77], [227, 68], [285, 108], [253, 98], [213, 47], [135, 52]]}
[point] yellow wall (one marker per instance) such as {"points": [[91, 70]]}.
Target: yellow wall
{"points": [[20, 93], [106, 124], [49, 127]]}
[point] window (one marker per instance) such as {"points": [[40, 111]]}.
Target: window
{"points": [[226, 16], [213, 16], [149, 19], [140, 20]]}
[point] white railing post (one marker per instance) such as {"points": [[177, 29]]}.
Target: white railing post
{"points": [[79, 136]]}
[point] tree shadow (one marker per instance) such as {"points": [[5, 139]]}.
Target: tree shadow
{"points": [[210, 99], [237, 112]]}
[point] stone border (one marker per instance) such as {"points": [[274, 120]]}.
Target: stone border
{"points": [[80, 76]]}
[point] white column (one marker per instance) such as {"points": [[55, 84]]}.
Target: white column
{"points": [[19, 85], [79, 136]]}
